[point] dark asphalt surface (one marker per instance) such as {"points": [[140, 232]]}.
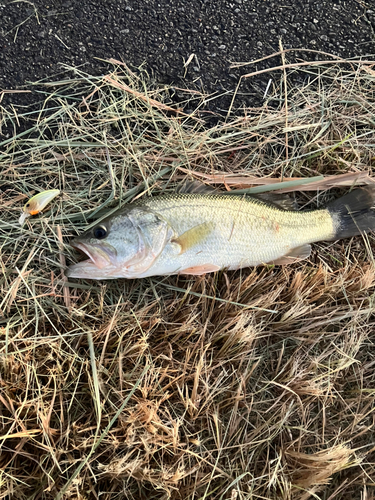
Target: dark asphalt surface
{"points": [[36, 36]]}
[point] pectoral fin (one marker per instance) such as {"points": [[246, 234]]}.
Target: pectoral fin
{"points": [[193, 236], [295, 255], [199, 270]]}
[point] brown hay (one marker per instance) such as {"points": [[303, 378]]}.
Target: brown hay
{"points": [[252, 384]]}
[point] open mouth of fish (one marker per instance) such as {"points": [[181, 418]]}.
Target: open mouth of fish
{"points": [[97, 256], [98, 264]]}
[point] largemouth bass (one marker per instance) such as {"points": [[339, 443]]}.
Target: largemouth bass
{"points": [[201, 233]]}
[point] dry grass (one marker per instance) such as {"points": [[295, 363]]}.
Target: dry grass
{"points": [[257, 384]]}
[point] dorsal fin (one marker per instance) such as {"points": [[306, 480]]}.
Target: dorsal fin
{"points": [[283, 201], [195, 187]]}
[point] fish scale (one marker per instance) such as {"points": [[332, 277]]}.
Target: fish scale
{"points": [[245, 231]]}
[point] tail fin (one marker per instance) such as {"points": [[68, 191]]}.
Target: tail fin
{"points": [[353, 213]]}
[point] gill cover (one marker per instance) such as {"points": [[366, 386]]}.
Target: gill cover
{"points": [[153, 233]]}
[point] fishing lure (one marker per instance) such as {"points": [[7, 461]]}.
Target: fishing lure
{"points": [[37, 203]]}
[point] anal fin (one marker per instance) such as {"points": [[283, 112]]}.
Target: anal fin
{"points": [[295, 255]]}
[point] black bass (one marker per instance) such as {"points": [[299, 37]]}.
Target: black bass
{"points": [[201, 233]]}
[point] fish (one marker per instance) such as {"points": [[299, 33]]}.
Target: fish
{"points": [[195, 233]]}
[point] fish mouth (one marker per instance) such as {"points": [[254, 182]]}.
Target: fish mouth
{"points": [[88, 270], [101, 262], [100, 257]]}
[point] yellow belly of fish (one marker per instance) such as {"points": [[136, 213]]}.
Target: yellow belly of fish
{"points": [[242, 233]]}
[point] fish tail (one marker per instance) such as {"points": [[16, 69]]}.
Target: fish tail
{"points": [[353, 213]]}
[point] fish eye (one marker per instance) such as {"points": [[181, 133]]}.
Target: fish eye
{"points": [[100, 232]]}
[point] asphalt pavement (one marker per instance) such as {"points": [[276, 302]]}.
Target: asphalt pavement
{"points": [[185, 43]]}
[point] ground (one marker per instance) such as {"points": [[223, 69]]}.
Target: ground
{"points": [[254, 384], [37, 37]]}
